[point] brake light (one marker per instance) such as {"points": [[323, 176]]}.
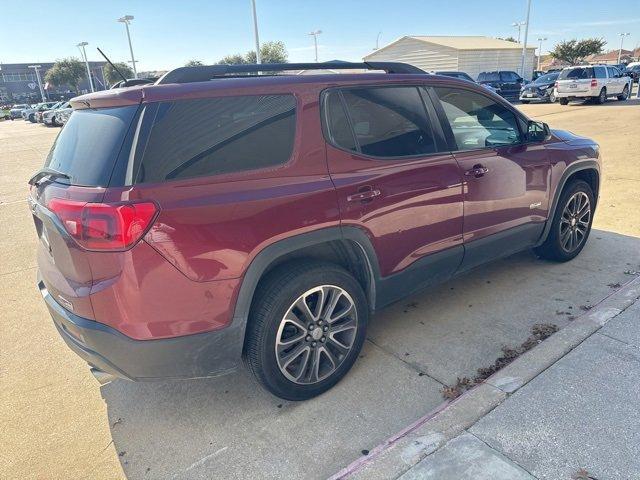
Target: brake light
{"points": [[594, 82], [104, 226], [555, 85]]}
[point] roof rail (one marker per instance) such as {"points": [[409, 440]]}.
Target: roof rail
{"points": [[130, 82], [209, 72]]}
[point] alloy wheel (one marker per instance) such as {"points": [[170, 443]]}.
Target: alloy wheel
{"points": [[316, 334], [575, 221]]}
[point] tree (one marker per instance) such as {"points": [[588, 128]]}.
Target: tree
{"points": [[68, 71], [194, 63], [111, 76], [508, 39], [270, 52], [575, 51]]}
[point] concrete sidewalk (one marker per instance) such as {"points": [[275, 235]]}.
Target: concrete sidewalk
{"points": [[567, 409]]}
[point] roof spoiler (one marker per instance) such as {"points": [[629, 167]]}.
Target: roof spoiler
{"points": [[209, 72]]}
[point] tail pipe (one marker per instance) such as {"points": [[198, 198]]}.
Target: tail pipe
{"points": [[102, 377]]}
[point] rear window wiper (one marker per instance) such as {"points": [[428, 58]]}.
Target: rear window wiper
{"points": [[47, 172]]}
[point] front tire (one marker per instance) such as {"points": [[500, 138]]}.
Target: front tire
{"points": [[571, 223], [306, 328], [625, 94], [552, 97]]}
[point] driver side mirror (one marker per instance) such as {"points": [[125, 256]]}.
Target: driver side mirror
{"points": [[537, 131]]}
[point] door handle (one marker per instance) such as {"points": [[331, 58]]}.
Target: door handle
{"points": [[364, 195], [477, 171]]}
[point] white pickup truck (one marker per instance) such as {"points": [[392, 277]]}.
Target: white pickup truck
{"points": [[597, 82]]}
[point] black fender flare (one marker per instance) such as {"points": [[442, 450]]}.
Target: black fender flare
{"points": [[271, 253], [587, 164]]}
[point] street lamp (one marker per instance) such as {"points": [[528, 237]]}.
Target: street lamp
{"points": [[519, 26], [83, 53], [526, 37], [126, 20], [36, 67], [255, 31], [541, 39], [315, 34], [378, 41], [622, 35]]}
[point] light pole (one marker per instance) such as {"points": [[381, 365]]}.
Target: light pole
{"points": [[255, 31], [526, 37], [36, 67], [541, 39], [378, 41], [126, 20], [622, 35], [518, 25], [315, 34], [83, 53]]}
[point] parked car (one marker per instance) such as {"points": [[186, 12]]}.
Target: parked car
{"points": [[541, 89], [596, 82], [189, 224], [63, 114], [53, 117], [465, 76], [16, 111], [30, 113], [40, 113], [634, 72], [506, 82]]}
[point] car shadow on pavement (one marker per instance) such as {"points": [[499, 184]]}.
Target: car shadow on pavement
{"points": [[228, 427]]}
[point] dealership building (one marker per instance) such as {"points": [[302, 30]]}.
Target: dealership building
{"points": [[470, 54], [19, 84]]}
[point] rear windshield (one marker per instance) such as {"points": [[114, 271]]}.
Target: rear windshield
{"points": [[489, 77], [576, 74], [87, 147]]}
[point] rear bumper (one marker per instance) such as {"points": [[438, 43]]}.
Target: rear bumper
{"points": [[104, 348], [585, 94]]}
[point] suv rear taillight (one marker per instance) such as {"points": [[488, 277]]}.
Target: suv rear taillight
{"points": [[104, 226], [555, 85], [594, 82]]}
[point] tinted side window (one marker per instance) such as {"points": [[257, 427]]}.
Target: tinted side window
{"points": [[340, 132], [477, 121], [201, 137], [600, 72], [389, 121]]}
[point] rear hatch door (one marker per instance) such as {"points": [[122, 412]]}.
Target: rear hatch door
{"points": [[78, 170], [575, 80]]}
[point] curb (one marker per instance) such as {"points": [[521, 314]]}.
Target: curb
{"points": [[406, 448]]}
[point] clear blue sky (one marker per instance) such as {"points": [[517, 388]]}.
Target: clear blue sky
{"points": [[167, 33]]}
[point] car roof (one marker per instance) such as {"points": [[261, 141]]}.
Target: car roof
{"points": [[247, 85]]}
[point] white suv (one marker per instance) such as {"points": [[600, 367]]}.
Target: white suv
{"points": [[592, 81]]}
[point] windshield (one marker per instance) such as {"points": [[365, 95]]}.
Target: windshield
{"points": [[88, 146], [548, 78], [489, 77], [581, 73]]}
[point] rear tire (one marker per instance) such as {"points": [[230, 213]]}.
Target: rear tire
{"points": [[602, 97], [564, 101], [298, 352], [625, 94], [571, 223]]}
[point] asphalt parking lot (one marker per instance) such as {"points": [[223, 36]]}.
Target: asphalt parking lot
{"points": [[57, 422]]}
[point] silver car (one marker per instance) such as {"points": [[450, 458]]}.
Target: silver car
{"points": [[53, 117]]}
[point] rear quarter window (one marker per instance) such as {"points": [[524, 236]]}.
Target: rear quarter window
{"points": [[212, 136]]}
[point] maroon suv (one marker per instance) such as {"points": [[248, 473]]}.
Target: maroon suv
{"points": [[191, 223]]}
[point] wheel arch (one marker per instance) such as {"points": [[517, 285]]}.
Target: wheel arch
{"points": [[587, 170], [348, 247]]}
